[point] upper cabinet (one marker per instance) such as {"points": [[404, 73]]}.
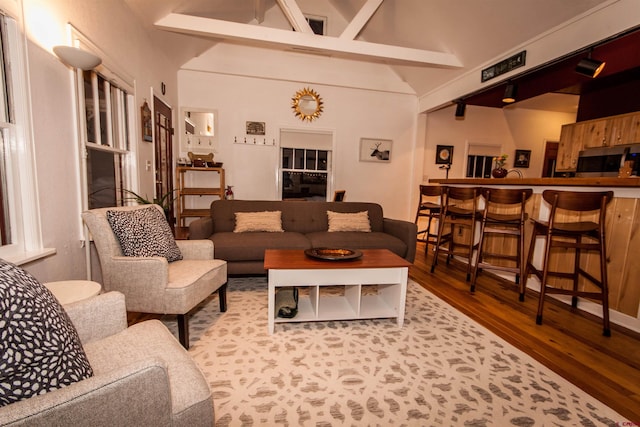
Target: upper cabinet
{"points": [[614, 130]]}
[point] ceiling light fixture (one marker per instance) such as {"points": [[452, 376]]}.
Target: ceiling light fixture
{"points": [[510, 93], [590, 67], [76, 57], [461, 106]]}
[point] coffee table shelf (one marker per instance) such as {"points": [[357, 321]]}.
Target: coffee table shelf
{"points": [[374, 286]]}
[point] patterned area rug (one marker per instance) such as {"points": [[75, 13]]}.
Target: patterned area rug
{"points": [[440, 369]]}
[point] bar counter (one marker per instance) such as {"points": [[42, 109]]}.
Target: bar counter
{"points": [[622, 235]]}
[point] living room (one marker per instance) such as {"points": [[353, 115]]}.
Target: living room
{"points": [[246, 83]]}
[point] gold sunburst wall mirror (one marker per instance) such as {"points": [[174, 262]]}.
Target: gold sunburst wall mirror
{"points": [[307, 104]]}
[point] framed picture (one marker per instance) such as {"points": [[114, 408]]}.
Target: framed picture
{"points": [[444, 154], [147, 126], [256, 128], [375, 150], [522, 159]]}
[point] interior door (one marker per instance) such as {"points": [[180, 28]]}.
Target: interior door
{"points": [[163, 145]]}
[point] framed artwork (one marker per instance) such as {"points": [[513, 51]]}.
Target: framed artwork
{"points": [[444, 154], [522, 159], [375, 150], [256, 128], [147, 126]]}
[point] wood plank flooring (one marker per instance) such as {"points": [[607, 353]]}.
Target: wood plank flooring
{"points": [[570, 343]]}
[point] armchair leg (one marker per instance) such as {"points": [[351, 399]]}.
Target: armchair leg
{"points": [[183, 330], [222, 296]]}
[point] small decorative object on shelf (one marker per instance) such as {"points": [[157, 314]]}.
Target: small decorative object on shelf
{"points": [[499, 171], [228, 194]]}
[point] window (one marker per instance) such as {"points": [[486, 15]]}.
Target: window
{"points": [[480, 159], [107, 137], [304, 173], [21, 240]]}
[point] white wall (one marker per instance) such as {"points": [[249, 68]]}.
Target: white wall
{"points": [[111, 26], [511, 128], [349, 113]]}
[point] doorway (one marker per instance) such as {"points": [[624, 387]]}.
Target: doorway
{"points": [[163, 146], [550, 159]]}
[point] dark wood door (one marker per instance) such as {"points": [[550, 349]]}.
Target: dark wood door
{"points": [[550, 158], [163, 145]]}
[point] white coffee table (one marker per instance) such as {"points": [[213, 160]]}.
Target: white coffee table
{"points": [[68, 291], [379, 268]]}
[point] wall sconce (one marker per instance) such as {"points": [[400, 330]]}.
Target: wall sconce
{"points": [[461, 106], [590, 67], [510, 93], [76, 57]]}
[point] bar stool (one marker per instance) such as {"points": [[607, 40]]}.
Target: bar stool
{"points": [[459, 207], [503, 215], [570, 235], [428, 208]]}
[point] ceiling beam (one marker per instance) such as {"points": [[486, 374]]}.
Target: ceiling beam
{"points": [[258, 11], [360, 20], [295, 16], [260, 35]]}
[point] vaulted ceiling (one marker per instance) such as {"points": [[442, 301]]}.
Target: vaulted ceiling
{"points": [[426, 42]]}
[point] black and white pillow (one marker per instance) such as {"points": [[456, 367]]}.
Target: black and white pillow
{"points": [[40, 350], [144, 233]]}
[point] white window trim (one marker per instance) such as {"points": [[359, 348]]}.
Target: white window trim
{"points": [[23, 190]]}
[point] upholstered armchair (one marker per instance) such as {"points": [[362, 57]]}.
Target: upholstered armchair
{"points": [[141, 376], [152, 284]]}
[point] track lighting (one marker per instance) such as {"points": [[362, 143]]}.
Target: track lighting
{"points": [[590, 67], [510, 93], [461, 106]]}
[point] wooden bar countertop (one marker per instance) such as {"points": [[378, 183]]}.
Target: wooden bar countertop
{"points": [[546, 182]]}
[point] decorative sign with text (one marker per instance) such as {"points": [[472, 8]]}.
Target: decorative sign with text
{"points": [[504, 66]]}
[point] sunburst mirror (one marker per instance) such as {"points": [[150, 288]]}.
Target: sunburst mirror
{"points": [[307, 104]]}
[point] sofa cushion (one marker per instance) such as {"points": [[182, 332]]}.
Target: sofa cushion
{"points": [[144, 233], [270, 221], [358, 221], [251, 246], [358, 240], [40, 350]]}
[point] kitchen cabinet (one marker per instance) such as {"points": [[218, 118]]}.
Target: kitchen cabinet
{"points": [[606, 132]]}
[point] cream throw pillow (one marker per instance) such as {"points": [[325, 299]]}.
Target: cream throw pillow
{"points": [[358, 221], [258, 221]]}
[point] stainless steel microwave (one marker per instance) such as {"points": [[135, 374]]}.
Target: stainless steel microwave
{"points": [[607, 161]]}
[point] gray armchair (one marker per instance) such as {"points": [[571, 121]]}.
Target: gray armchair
{"points": [[142, 376], [152, 284]]}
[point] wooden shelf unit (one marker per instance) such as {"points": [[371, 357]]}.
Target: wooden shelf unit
{"points": [[184, 191]]}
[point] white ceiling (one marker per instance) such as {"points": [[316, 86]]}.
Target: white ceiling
{"points": [[474, 32]]}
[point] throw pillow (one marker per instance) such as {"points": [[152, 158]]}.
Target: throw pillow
{"points": [[358, 221], [144, 233], [40, 350], [259, 221]]}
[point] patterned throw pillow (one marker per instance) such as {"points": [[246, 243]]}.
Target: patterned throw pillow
{"points": [[259, 221], [144, 233], [40, 350], [358, 221]]}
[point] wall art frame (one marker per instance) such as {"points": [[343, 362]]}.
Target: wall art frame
{"points": [[256, 128], [375, 150], [522, 159], [444, 154], [146, 122]]}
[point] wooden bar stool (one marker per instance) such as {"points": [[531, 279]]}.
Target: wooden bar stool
{"points": [[503, 215], [580, 236], [459, 208], [428, 207]]}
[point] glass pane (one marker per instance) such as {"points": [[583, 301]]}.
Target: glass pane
{"points": [[311, 159], [323, 160], [89, 107], [287, 158], [116, 118], [5, 220], [488, 160], [101, 179], [104, 136], [299, 158], [471, 163]]}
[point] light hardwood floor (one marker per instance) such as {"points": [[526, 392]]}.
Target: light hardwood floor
{"points": [[570, 343]]}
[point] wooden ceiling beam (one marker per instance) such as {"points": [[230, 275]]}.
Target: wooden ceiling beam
{"points": [[360, 20], [260, 35], [295, 16]]}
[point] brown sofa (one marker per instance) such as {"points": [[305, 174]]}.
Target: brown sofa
{"points": [[305, 226]]}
